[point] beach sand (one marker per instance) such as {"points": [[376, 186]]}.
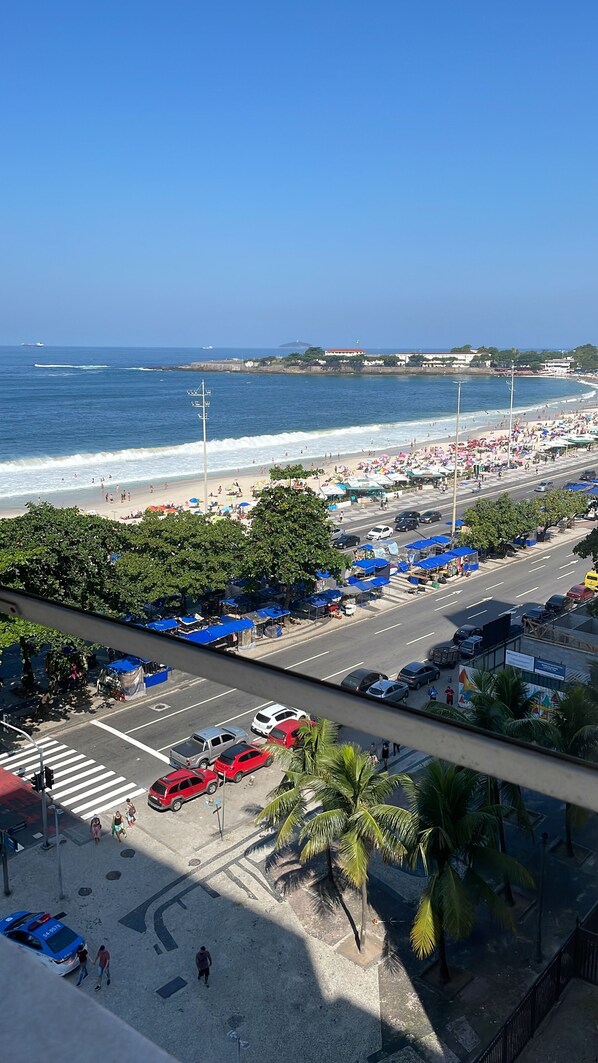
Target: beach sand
{"points": [[92, 498]]}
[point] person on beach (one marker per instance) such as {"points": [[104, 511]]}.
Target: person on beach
{"points": [[95, 828], [118, 827]]}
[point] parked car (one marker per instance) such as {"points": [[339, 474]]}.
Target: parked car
{"points": [[591, 580], [404, 524], [465, 632], [431, 516], [45, 937], [205, 746], [241, 760], [380, 531], [173, 790], [287, 733], [535, 614], [587, 475], [580, 593], [417, 673], [544, 485], [471, 647], [390, 690], [410, 514], [557, 603], [361, 679], [345, 541], [267, 718]]}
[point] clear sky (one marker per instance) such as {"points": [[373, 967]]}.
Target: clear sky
{"points": [[401, 172]]}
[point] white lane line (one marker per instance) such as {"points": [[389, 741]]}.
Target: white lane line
{"points": [[429, 635], [523, 593], [344, 671], [30, 757], [307, 659], [447, 596], [382, 629], [568, 565], [76, 767], [133, 741], [110, 804], [59, 793], [493, 585], [60, 759], [113, 786], [564, 576], [509, 612], [537, 561], [536, 569], [151, 723], [481, 613], [195, 682], [472, 605], [222, 723]]}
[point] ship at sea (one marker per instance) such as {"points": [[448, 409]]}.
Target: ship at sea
{"points": [[38, 344]]}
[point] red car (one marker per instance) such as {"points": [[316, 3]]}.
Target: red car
{"points": [[171, 791], [241, 760], [579, 593], [286, 733]]}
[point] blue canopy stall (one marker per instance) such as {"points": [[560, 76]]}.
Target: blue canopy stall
{"points": [[163, 625], [129, 677], [231, 631], [266, 620]]}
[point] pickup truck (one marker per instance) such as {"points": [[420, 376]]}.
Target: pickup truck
{"points": [[205, 746]]}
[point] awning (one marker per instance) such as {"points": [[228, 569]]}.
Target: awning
{"points": [[425, 544], [368, 584], [461, 551], [370, 564], [330, 492], [126, 664], [163, 625], [214, 632]]}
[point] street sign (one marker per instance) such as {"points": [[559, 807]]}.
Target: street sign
{"points": [[12, 843]]}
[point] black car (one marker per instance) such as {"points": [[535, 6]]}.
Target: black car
{"points": [[535, 614], [344, 541], [587, 474], [557, 603], [361, 679], [403, 524], [466, 631], [411, 514], [431, 516], [417, 673]]}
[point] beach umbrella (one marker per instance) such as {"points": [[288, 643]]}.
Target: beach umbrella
{"points": [[243, 504], [458, 523], [194, 501]]}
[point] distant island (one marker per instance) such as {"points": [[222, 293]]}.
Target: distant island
{"points": [[293, 345], [357, 361]]}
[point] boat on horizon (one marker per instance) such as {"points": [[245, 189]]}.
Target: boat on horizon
{"points": [[208, 348], [38, 344]]}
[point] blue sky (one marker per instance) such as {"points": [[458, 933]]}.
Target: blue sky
{"points": [[396, 173]]}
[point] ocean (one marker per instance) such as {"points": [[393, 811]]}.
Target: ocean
{"points": [[72, 415]]}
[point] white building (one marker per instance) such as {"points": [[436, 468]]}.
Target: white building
{"points": [[558, 366], [337, 352]]}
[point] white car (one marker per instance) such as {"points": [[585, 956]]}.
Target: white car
{"points": [[269, 717], [544, 485], [381, 531]]}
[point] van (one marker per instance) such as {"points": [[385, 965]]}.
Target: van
{"points": [[591, 580]]}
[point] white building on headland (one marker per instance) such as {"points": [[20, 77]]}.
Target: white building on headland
{"points": [[558, 366], [336, 352]]}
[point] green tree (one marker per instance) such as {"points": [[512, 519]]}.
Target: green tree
{"points": [[289, 541], [354, 818], [452, 829], [291, 472], [465, 349], [181, 554], [588, 547], [416, 360], [560, 505], [492, 523], [575, 722]]}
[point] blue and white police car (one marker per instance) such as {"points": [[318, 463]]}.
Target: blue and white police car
{"points": [[45, 937]]}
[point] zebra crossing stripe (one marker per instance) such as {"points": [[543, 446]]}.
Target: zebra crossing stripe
{"points": [[103, 808], [60, 792], [114, 783]]}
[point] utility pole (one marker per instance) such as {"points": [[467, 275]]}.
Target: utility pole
{"points": [[57, 841], [511, 416], [200, 401], [11, 727], [454, 516]]}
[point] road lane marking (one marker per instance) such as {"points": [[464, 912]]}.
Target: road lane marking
{"points": [[447, 596], [307, 659], [537, 569], [27, 756], [472, 605], [177, 712], [109, 804], [132, 741], [568, 565], [429, 635], [481, 613], [60, 794], [510, 612], [61, 784], [523, 593], [344, 671], [564, 576], [383, 629], [538, 559], [493, 585]]}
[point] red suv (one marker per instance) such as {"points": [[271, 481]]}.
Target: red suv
{"points": [[171, 791], [241, 760], [286, 733]]}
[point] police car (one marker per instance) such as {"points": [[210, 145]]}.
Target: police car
{"points": [[45, 937]]}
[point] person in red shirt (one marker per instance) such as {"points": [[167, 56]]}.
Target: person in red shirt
{"points": [[449, 695], [102, 962]]}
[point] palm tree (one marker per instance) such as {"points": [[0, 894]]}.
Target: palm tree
{"points": [[354, 818], [501, 704], [451, 828], [575, 723]]}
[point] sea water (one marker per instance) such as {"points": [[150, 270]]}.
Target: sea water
{"points": [[70, 416]]}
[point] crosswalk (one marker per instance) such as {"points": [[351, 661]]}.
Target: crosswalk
{"points": [[81, 785]]}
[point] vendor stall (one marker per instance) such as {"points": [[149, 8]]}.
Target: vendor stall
{"points": [[129, 677], [230, 632], [267, 621]]}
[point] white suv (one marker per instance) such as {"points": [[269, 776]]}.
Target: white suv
{"points": [[267, 718]]}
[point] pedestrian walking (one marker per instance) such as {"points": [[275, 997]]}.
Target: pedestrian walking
{"points": [[130, 813], [203, 962], [449, 695], [373, 755], [432, 693], [95, 828], [102, 962], [396, 749], [385, 754], [118, 827], [82, 955]]}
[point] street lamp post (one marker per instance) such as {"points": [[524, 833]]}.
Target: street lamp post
{"points": [[200, 401], [454, 516], [539, 956], [510, 417], [11, 727], [57, 841]]}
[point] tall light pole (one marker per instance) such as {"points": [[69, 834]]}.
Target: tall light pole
{"points": [[57, 841], [454, 517], [511, 416], [11, 727], [200, 401]]}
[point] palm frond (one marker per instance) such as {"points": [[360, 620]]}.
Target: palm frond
{"points": [[423, 936], [458, 911]]}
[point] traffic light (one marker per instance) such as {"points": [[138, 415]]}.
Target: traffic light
{"points": [[36, 780], [48, 776]]}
